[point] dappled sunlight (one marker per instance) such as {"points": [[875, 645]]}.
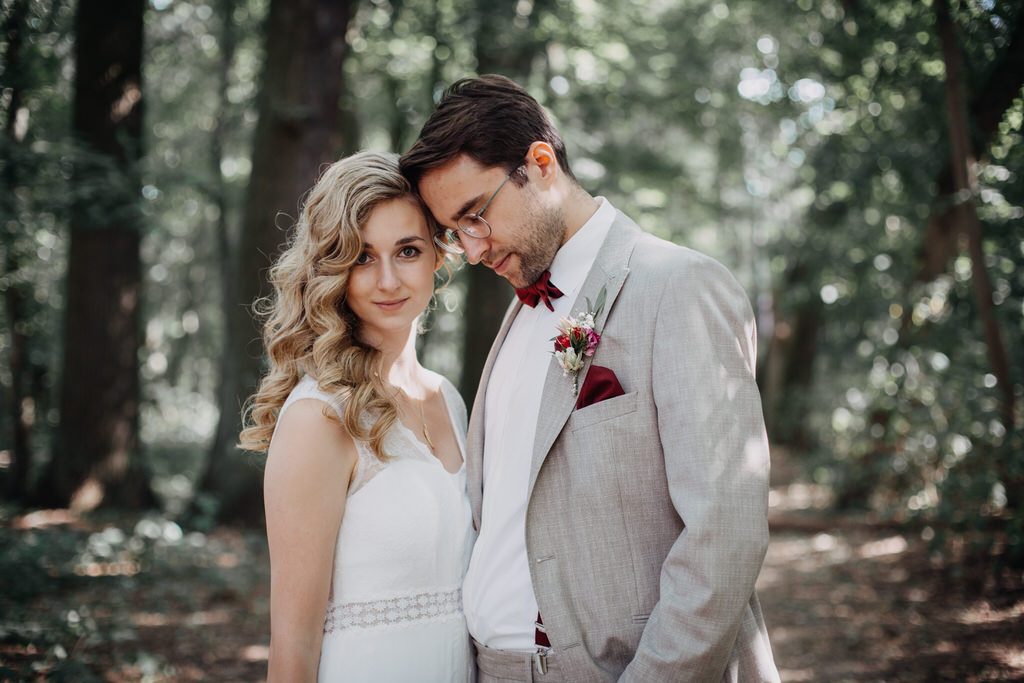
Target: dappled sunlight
{"points": [[41, 519], [256, 653], [208, 617], [800, 496], [985, 613], [191, 619], [94, 569], [846, 598], [888, 546], [88, 496], [184, 605], [861, 605]]}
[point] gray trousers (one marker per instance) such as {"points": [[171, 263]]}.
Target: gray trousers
{"points": [[503, 666]]}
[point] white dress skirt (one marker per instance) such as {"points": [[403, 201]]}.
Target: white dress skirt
{"points": [[395, 611]]}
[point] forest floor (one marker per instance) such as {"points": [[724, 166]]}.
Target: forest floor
{"points": [[116, 599]]}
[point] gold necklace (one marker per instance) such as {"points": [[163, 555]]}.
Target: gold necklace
{"points": [[426, 434]]}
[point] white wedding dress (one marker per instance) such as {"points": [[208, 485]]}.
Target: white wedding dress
{"points": [[395, 611]]}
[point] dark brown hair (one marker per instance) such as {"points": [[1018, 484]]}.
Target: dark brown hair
{"points": [[492, 120]]}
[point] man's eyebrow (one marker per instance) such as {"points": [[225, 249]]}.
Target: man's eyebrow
{"points": [[466, 207]]}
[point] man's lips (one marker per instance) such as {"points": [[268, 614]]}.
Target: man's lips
{"points": [[499, 267]]}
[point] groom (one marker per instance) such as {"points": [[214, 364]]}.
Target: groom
{"points": [[620, 486]]}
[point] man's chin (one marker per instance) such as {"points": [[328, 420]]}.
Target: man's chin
{"points": [[515, 279], [509, 273]]}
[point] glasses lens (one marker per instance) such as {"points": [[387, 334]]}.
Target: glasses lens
{"points": [[474, 225], [449, 241]]}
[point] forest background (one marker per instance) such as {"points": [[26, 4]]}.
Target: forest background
{"points": [[856, 164]]}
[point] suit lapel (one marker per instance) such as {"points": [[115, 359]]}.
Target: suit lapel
{"points": [[475, 438], [609, 271]]}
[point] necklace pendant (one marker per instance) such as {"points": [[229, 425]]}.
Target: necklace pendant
{"points": [[426, 435]]}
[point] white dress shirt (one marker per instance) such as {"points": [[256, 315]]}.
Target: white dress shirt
{"points": [[498, 596]]}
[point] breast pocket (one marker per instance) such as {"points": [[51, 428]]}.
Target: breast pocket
{"points": [[603, 411]]}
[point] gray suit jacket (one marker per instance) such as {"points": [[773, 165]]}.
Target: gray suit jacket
{"points": [[647, 522]]}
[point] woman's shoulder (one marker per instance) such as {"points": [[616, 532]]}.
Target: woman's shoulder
{"points": [[305, 446]]}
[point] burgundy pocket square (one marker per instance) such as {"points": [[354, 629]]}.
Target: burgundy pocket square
{"points": [[601, 384]]}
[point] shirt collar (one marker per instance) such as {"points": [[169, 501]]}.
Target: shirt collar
{"points": [[576, 257]]}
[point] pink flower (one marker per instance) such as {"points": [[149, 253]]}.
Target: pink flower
{"points": [[592, 339]]}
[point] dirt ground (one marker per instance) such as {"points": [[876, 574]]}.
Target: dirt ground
{"points": [[849, 601], [845, 600]]}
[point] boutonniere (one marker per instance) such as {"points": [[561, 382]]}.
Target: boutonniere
{"points": [[577, 339]]}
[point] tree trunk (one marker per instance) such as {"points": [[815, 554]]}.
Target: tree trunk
{"points": [[297, 132], [788, 370], [503, 48], [96, 460], [987, 109], [963, 164], [15, 294]]}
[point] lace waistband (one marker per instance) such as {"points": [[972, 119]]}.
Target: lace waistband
{"points": [[407, 608]]}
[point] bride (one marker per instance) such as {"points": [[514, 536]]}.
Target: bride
{"points": [[368, 521]]}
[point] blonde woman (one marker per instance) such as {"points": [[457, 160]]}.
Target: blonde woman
{"points": [[368, 521]]}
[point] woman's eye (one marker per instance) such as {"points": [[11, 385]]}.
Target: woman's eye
{"points": [[362, 259], [410, 252]]}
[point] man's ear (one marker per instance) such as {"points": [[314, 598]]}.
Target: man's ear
{"points": [[542, 156]]}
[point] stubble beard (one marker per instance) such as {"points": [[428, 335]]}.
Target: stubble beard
{"points": [[542, 239]]}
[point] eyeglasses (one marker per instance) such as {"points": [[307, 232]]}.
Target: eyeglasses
{"points": [[472, 224]]}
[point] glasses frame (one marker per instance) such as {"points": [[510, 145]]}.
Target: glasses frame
{"points": [[451, 242]]}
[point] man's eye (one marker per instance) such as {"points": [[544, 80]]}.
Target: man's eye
{"points": [[453, 236]]}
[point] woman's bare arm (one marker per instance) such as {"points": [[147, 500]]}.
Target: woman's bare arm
{"points": [[309, 465]]}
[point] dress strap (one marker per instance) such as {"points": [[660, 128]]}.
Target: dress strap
{"points": [[308, 388]]}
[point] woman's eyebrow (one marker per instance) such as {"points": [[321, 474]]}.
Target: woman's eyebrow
{"points": [[398, 243]]}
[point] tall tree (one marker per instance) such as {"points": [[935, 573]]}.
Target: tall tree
{"points": [[298, 131], [963, 165], [96, 460], [988, 106], [16, 296]]}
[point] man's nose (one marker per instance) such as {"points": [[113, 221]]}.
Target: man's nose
{"points": [[475, 248]]}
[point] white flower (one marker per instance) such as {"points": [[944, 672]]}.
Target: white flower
{"points": [[570, 361]]}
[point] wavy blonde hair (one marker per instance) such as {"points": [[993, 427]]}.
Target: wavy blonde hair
{"points": [[308, 327]]}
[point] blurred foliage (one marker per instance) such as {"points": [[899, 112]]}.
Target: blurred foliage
{"points": [[800, 142]]}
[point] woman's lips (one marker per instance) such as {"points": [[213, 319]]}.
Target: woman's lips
{"points": [[391, 305]]}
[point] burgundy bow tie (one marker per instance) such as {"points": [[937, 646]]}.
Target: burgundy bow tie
{"points": [[541, 290]]}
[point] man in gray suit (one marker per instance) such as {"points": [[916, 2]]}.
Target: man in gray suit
{"points": [[620, 486]]}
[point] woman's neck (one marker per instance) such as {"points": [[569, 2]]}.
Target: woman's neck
{"points": [[400, 368]]}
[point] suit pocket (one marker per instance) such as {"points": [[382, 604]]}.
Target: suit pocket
{"points": [[605, 410]]}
